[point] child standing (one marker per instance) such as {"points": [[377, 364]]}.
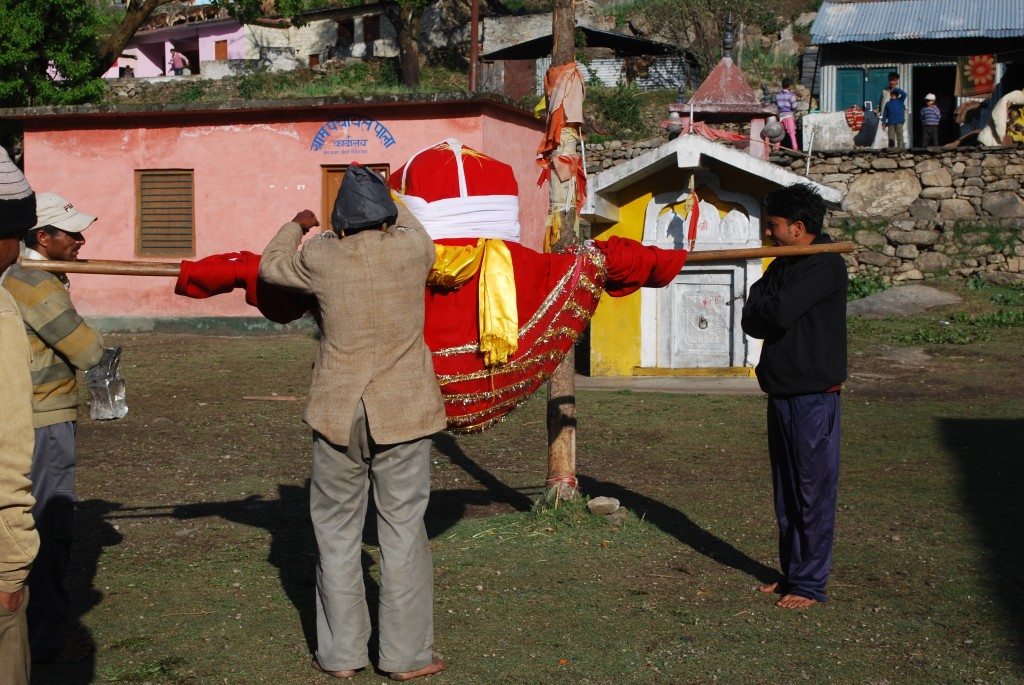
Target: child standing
{"points": [[894, 113], [786, 102], [930, 117]]}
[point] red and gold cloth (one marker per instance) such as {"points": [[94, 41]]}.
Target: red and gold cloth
{"points": [[540, 302]]}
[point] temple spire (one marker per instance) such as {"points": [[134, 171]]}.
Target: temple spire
{"points": [[727, 39]]}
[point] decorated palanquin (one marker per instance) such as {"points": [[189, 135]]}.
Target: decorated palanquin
{"points": [[500, 317]]}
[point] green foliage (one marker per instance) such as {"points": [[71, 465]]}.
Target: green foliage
{"points": [[618, 108], [999, 238], [942, 334], [976, 282], [1004, 318], [1012, 297], [193, 92], [597, 139], [862, 286], [849, 226], [252, 86], [48, 52]]}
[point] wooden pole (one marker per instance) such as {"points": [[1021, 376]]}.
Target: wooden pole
{"points": [[98, 266], [119, 268], [474, 45], [766, 252], [561, 409]]}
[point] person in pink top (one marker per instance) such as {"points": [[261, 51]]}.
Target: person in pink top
{"points": [[178, 62], [786, 102]]}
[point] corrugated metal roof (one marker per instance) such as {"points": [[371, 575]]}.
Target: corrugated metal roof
{"points": [[846, 21]]}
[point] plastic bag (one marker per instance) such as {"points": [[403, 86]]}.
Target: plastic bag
{"points": [[106, 387]]}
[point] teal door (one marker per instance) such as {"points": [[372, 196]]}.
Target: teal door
{"points": [[855, 86]]}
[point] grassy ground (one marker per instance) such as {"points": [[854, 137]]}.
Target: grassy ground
{"points": [[194, 553]]}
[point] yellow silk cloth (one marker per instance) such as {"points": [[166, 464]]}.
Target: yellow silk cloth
{"points": [[497, 311]]}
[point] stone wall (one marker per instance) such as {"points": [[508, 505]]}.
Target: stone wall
{"points": [[914, 214], [923, 213]]}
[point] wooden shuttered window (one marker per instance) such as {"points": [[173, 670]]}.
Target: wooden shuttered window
{"points": [[166, 213]]}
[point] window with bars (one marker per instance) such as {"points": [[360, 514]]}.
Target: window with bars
{"points": [[165, 223]]}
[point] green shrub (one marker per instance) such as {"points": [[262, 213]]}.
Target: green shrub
{"points": [[943, 335], [253, 86], [862, 286], [193, 92], [976, 282], [619, 108], [1013, 298], [1004, 318]]}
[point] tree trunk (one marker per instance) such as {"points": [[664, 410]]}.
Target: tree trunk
{"points": [[136, 15], [406, 21], [561, 414]]}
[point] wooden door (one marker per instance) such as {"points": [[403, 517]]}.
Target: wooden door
{"points": [[331, 184], [220, 50]]}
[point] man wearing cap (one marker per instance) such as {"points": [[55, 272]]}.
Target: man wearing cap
{"points": [[373, 404], [18, 538], [62, 344], [930, 118]]}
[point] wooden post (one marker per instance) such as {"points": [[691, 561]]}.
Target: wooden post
{"points": [[474, 45], [561, 409]]}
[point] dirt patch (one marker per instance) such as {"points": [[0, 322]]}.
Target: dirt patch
{"points": [[936, 372]]}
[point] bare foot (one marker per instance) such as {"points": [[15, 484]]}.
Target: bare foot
{"points": [[347, 675], [795, 602], [769, 588], [435, 666]]}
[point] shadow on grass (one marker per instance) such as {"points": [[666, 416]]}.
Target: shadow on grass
{"points": [[92, 533], [988, 454], [676, 524], [292, 543], [448, 507]]}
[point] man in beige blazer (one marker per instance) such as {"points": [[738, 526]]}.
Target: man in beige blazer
{"points": [[373, 403], [19, 540]]}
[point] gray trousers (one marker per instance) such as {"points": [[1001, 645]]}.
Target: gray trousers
{"points": [[895, 132], [53, 486], [400, 477]]}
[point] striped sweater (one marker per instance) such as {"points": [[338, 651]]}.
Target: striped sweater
{"points": [[61, 343], [930, 116]]}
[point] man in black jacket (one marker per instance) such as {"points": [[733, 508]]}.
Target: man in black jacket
{"points": [[799, 309]]}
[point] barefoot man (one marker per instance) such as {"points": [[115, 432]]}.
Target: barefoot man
{"points": [[373, 404], [799, 309]]}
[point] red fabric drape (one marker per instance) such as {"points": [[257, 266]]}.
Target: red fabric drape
{"points": [[222, 273], [632, 266]]}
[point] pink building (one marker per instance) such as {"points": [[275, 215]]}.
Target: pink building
{"points": [[184, 182], [149, 52]]}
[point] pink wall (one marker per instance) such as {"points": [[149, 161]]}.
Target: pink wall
{"points": [[253, 170], [152, 49]]}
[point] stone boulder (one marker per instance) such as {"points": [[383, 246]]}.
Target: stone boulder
{"points": [[883, 194], [1004, 204], [905, 300]]}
